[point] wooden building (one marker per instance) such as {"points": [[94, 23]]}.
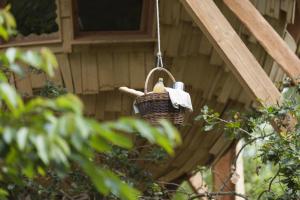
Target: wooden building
{"points": [[206, 44]]}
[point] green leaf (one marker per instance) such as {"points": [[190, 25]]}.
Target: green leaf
{"points": [[3, 194], [40, 144], [28, 170], [63, 144], [122, 125], [94, 175], [10, 96], [12, 156], [164, 142], [105, 181], [1, 18], [32, 58], [3, 77], [82, 127], [171, 131], [119, 188], [9, 19], [144, 129], [41, 171], [8, 134], [16, 69], [3, 33], [11, 54], [69, 102], [58, 155], [208, 127], [118, 139], [100, 145], [50, 61], [233, 125], [22, 135]]}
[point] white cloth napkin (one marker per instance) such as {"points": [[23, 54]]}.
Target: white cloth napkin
{"points": [[178, 98]]}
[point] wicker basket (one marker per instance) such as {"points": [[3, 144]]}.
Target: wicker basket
{"points": [[156, 106]]}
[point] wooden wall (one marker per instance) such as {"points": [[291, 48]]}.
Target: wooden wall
{"points": [[95, 71]]}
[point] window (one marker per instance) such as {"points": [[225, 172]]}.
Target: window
{"points": [[36, 19], [113, 17]]}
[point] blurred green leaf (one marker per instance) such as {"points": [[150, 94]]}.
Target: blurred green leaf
{"points": [[3, 33], [41, 146], [105, 181], [3, 78], [100, 145], [143, 129], [28, 170], [9, 19], [172, 132], [11, 54], [22, 135], [69, 102], [8, 134], [3, 194], [32, 58], [111, 136], [50, 61], [10, 97]]}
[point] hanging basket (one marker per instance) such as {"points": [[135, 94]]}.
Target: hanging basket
{"points": [[156, 106]]}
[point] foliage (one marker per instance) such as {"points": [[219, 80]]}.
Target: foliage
{"points": [[50, 90], [183, 192], [257, 174], [7, 24], [51, 136], [276, 129]]}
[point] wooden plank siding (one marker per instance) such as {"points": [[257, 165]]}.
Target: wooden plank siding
{"points": [[89, 73]]}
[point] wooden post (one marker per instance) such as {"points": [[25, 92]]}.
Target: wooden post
{"points": [[233, 51], [198, 185], [266, 36], [240, 185], [221, 172], [66, 25]]}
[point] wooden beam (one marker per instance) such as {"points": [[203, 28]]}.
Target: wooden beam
{"points": [[232, 50], [198, 184], [266, 36], [221, 171]]}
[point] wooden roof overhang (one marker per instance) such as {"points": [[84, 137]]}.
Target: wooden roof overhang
{"points": [[238, 57], [204, 44]]}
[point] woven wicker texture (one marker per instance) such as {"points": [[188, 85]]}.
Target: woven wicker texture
{"points": [[154, 107]]}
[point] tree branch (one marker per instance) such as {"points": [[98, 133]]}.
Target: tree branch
{"points": [[216, 194]]}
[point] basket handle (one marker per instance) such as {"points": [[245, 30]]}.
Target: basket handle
{"points": [[152, 71]]}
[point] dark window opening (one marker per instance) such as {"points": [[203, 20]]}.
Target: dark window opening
{"points": [[109, 15], [113, 17], [34, 16]]}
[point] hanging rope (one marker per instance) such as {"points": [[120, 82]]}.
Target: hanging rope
{"points": [[159, 54]]}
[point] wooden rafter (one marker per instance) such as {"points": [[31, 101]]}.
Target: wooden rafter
{"points": [[266, 36], [232, 50]]}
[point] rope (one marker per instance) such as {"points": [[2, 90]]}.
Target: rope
{"points": [[159, 54]]}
